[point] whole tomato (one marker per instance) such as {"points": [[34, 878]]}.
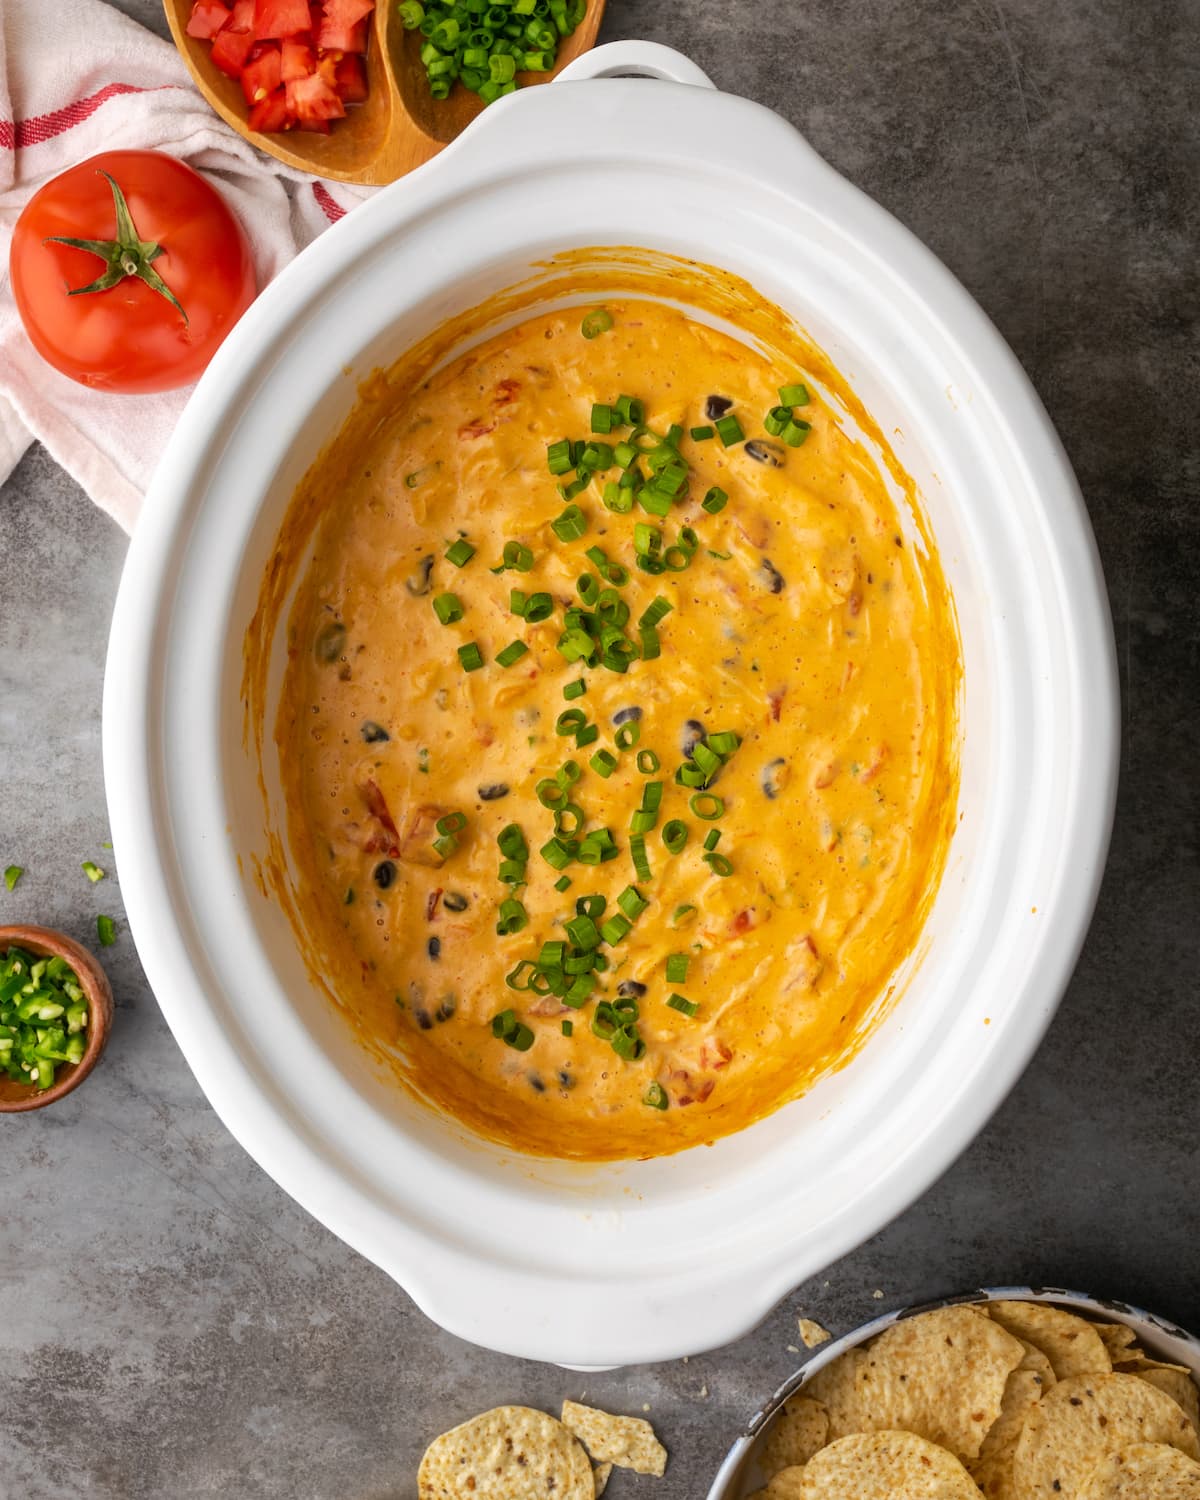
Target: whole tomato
{"points": [[128, 271]]}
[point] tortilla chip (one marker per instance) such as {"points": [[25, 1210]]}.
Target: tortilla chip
{"points": [[1083, 1419], [628, 1442], [600, 1478], [782, 1486], [1176, 1381], [510, 1453], [1072, 1345], [795, 1435], [941, 1375], [1119, 1339], [812, 1334], [1028, 1383], [1144, 1471], [885, 1466]]}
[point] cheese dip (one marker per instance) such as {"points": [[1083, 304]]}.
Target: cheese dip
{"points": [[618, 729]]}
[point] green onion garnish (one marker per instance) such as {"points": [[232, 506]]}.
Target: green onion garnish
{"points": [[627, 735], [517, 601], [718, 864], [712, 839], [568, 1028], [512, 842], [675, 836], [793, 395], [677, 968], [603, 763], [683, 915], [776, 420], [655, 1096], [632, 902], [715, 500], [729, 430], [558, 457], [540, 606], [656, 611], [570, 525], [602, 417], [595, 323], [682, 1004], [470, 656], [637, 852], [92, 871], [556, 854], [705, 805], [460, 553], [795, 432], [506, 1028], [615, 930], [563, 883], [575, 689], [702, 434], [631, 411], [570, 721], [513, 916], [448, 608], [647, 762], [586, 736], [511, 654], [452, 823], [518, 557]]}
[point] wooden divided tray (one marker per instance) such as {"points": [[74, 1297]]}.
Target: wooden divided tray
{"points": [[398, 127]]}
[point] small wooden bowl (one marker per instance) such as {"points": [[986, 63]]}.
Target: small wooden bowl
{"points": [[396, 129], [15, 1098]]}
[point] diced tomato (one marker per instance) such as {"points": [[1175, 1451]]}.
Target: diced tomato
{"points": [[207, 18], [262, 75], [241, 17], [279, 18], [313, 102], [271, 113], [230, 50], [335, 37], [297, 60], [347, 12], [350, 80]]}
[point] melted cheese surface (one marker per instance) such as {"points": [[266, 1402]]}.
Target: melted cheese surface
{"points": [[808, 623]]}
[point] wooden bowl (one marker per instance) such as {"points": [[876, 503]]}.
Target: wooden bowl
{"points": [[398, 127], [15, 1098]]}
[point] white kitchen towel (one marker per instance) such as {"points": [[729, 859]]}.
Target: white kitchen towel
{"points": [[76, 78]]}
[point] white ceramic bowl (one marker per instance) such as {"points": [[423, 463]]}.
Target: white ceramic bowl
{"points": [[638, 1261], [739, 1475]]}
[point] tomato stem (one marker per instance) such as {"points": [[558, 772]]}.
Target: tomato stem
{"points": [[126, 255]]}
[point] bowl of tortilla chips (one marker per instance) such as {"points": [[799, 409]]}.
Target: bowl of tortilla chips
{"points": [[1008, 1393]]}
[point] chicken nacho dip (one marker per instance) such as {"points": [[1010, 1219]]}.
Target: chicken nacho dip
{"points": [[618, 730]]}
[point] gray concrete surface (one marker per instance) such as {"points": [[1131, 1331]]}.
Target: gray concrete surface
{"points": [[172, 1326]]}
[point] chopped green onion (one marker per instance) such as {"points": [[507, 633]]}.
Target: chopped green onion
{"points": [[570, 721], [712, 839], [588, 589], [683, 914], [708, 761], [595, 323], [675, 836], [627, 735], [570, 525], [506, 1028], [518, 556], [615, 930], [517, 602], [558, 457], [106, 931], [642, 821], [631, 410], [471, 657], [718, 864], [705, 805], [655, 1096], [511, 654], [796, 432], [656, 611], [651, 646], [682, 1004], [556, 854], [563, 883], [632, 902], [637, 852], [586, 736], [448, 608], [677, 968], [460, 553], [540, 606], [603, 763], [720, 556], [729, 430], [602, 417], [512, 842], [628, 1045], [793, 395], [12, 875], [568, 1028], [715, 501], [513, 916], [576, 486], [92, 871], [701, 434], [647, 762], [776, 420], [575, 689], [518, 978], [574, 813], [453, 822], [724, 743]]}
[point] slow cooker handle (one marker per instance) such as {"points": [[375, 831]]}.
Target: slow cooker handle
{"points": [[637, 60]]}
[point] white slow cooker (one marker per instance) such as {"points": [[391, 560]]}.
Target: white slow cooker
{"points": [[626, 1262]]}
